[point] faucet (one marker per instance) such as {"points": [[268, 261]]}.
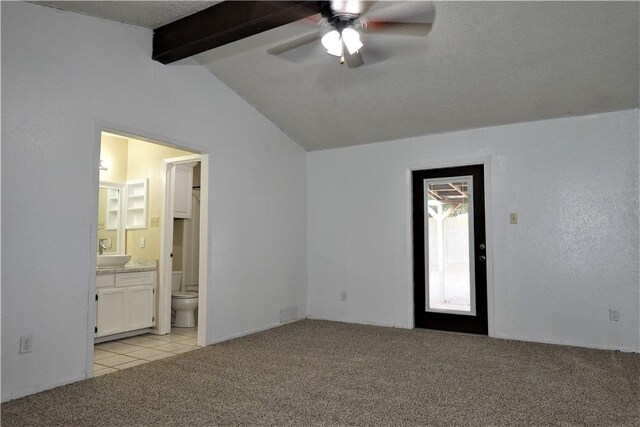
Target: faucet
{"points": [[101, 246]]}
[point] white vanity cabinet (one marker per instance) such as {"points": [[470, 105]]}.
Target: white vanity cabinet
{"points": [[110, 312], [124, 302]]}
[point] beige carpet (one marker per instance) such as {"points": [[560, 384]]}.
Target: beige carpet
{"points": [[328, 373]]}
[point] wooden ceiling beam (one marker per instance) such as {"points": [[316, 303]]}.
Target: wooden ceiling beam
{"points": [[224, 23]]}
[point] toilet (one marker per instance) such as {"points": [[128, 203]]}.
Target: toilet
{"points": [[183, 303]]}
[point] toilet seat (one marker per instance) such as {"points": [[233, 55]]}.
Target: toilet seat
{"points": [[183, 295]]}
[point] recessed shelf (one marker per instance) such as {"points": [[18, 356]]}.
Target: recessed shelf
{"points": [[113, 203], [137, 204]]}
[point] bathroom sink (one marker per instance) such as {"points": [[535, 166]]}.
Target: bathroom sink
{"points": [[113, 260]]}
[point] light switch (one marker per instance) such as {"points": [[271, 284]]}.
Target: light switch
{"points": [[513, 218]]}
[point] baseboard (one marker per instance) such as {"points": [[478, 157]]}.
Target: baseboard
{"points": [[122, 335], [358, 321], [254, 331], [498, 335], [34, 390], [567, 343]]}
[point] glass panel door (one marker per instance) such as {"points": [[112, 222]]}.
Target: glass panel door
{"points": [[449, 249], [449, 233]]}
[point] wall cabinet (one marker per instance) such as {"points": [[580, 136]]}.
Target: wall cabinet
{"points": [[137, 194], [182, 184], [125, 302]]}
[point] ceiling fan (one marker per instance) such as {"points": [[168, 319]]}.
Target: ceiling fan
{"points": [[341, 23]]}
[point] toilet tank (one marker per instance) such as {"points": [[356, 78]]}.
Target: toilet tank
{"points": [[176, 281]]}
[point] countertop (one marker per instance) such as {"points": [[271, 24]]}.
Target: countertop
{"points": [[132, 266]]}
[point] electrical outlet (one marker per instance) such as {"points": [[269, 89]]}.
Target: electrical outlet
{"points": [[614, 315], [343, 296], [26, 343], [513, 218], [142, 242], [154, 221]]}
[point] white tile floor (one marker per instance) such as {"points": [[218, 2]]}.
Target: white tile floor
{"points": [[113, 356]]}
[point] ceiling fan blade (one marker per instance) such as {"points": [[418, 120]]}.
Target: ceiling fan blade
{"points": [[293, 44], [354, 60], [396, 28]]}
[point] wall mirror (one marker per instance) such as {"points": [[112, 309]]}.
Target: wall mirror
{"points": [[110, 219]]}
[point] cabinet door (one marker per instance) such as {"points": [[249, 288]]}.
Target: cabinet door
{"points": [[182, 179], [111, 312], [139, 307]]}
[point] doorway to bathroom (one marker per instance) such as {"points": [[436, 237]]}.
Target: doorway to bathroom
{"points": [[152, 201], [180, 245]]}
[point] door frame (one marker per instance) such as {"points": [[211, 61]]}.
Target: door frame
{"points": [[474, 321], [100, 126], [486, 162], [166, 246]]}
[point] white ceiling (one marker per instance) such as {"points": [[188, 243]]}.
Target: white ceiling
{"points": [[148, 14], [484, 64]]}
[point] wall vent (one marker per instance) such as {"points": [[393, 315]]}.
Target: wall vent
{"points": [[289, 314]]}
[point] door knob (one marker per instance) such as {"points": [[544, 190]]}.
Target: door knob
{"points": [[482, 258]]}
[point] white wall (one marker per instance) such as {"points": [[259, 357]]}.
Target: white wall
{"points": [[62, 72], [573, 255]]}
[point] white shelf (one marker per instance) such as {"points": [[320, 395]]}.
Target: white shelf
{"points": [[137, 204], [113, 202]]}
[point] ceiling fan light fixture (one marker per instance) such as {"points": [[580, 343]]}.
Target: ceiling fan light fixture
{"points": [[333, 43], [346, 6], [351, 40]]}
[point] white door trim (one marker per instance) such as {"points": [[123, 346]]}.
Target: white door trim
{"points": [[486, 161], [93, 247], [100, 126]]}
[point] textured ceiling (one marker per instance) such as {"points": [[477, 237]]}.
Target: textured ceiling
{"points": [[483, 64], [149, 14]]}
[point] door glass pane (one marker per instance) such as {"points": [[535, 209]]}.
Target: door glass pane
{"points": [[449, 233]]}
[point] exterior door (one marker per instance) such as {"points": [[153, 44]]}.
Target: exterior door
{"points": [[450, 271]]}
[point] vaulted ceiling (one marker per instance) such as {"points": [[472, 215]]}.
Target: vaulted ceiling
{"points": [[148, 14], [483, 64]]}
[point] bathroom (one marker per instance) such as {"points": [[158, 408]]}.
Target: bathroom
{"points": [[135, 322]]}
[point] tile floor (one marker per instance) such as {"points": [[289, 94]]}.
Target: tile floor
{"points": [[113, 356]]}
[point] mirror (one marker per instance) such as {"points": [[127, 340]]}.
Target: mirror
{"points": [[110, 221]]}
